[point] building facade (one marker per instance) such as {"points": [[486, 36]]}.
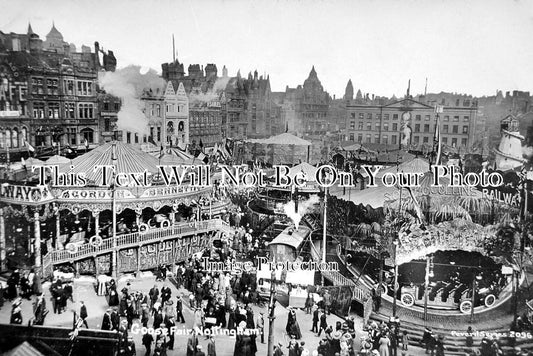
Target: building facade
{"points": [[49, 92], [410, 121]]}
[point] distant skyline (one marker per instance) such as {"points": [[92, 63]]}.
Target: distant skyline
{"points": [[472, 47]]}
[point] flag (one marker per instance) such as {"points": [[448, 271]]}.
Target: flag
{"points": [[30, 147], [437, 142], [203, 157], [201, 144]]}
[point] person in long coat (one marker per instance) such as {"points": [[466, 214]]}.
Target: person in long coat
{"points": [[384, 343], [232, 319], [243, 344], [192, 344], [106, 322], [113, 296]]}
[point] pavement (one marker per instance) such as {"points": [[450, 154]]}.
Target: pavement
{"points": [[96, 306]]}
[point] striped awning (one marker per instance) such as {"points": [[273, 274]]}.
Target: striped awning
{"points": [[129, 159], [24, 349]]}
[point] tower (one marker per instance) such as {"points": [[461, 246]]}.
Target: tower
{"points": [[176, 126], [509, 152], [348, 93]]}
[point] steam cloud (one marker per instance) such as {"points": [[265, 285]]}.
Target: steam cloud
{"points": [[128, 84], [527, 152], [212, 94], [303, 206]]}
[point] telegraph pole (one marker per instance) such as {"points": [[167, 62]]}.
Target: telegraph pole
{"points": [[271, 315]]}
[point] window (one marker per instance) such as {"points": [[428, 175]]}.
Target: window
{"points": [[69, 86], [417, 128], [88, 135], [152, 109], [454, 142], [361, 115], [85, 111], [416, 140], [369, 116], [393, 139], [377, 126], [418, 117], [368, 138], [352, 115], [456, 118], [117, 106], [159, 134], [106, 106], [71, 133], [369, 126], [85, 88], [455, 129], [466, 118], [463, 142], [378, 116], [445, 140], [70, 110], [446, 118], [38, 110], [376, 138], [445, 129], [107, 124], [352, 125], [466, 102], [385, 140], [465, 129], [360, 138], [426, 128], [136, 138], [52, 86], [360, 126], [428, 117], [385, 116], [152, 132], [37, 86], [426, 139], [456, 104], [15, 138], [395, 116], [394, 127], [158, 110], [128, 137], [352, 136], [385, 127], [8, 138], [53, 110]]}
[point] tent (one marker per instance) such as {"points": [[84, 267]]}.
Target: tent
{"points": [[57, 160], [308, 170], [174, 156]]}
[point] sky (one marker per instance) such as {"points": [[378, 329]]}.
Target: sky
{"points": [[474, 47]]}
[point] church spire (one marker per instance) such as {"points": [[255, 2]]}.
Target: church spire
{"points": [[30, 30]]}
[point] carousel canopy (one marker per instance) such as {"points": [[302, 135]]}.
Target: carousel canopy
{"points": [[174, 156], [24, 349], [306, 168], [282, 139], [357, 147], [415, 165], [57, 160], [33, 162], [128, 160]]}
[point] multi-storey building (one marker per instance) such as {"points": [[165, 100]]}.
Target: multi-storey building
{"points": [[49, 91], [245, 104], [205, 122], [386, 124], [306, 107], [168, 116]]}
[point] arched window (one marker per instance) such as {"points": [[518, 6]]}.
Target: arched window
{"points": [[2, 140], [15, 138], [24, 138], [88, 135], [8, 138]]}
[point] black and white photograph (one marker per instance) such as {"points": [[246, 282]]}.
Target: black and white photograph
{"points": [[266, 178]]}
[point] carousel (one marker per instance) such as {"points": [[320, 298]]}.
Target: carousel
{"points": [[95, 229], [436, 249]]}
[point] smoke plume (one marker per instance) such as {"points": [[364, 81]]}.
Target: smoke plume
{"points": [[128, 84], [527, 152], [303, 206], [212, 94]]}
